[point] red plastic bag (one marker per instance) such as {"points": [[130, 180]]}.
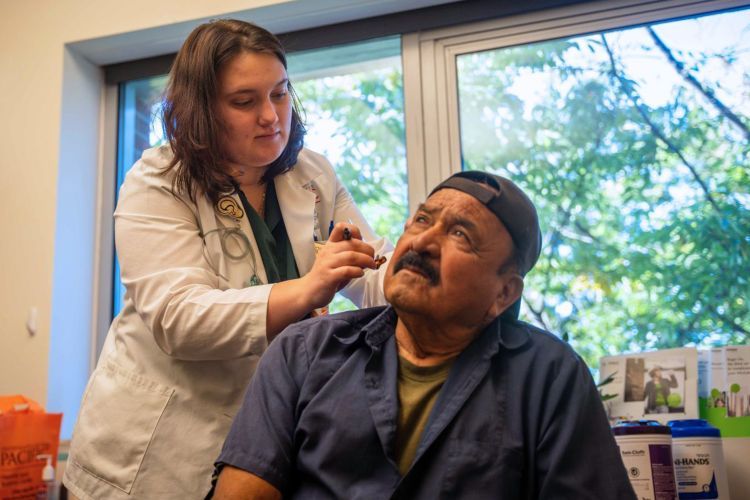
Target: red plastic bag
{"points": [[26, 431]]}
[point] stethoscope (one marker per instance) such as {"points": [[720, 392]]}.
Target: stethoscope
{"points": [[233, 236]]}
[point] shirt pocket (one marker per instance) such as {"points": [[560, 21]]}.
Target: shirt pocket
{"points": [[117, 421], [481, 469]]}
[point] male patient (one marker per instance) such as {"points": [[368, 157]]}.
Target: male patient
{"points": [[444, 394]]}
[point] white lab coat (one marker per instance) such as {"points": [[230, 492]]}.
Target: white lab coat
{"points": [[178, 357]]}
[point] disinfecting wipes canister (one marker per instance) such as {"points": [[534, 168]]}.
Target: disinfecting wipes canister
{"points": [[646, 450], [698, 460]]}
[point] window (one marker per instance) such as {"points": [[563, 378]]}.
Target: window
{"points": [[354, 106], [633, 145], [139, 128]]}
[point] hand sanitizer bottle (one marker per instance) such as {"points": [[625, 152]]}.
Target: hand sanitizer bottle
{"points": [[48, 476]]}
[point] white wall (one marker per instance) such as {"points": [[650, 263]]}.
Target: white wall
{"points": [[51, 92]]}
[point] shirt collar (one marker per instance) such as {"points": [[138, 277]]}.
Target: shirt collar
{"points": [[510, 334], [381, 328]]}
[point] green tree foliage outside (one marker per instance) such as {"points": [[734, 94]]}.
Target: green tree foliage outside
{"points": [[363, 117], [644, 201]]}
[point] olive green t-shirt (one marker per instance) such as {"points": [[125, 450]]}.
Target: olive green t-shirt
{"points": [[418, 389]]}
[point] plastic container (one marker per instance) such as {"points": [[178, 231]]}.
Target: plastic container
{"points": [[646, 450], [698, 460]]}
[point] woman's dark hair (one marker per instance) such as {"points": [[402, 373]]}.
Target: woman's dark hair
{"points": [[189, 117]]}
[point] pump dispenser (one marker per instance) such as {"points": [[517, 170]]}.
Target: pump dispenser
{"points": [[48, 476]]}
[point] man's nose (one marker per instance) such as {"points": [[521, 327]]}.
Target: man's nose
{"points": [[428, 241]]}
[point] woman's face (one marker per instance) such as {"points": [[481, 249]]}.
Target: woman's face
{"points": [[255, 107]]}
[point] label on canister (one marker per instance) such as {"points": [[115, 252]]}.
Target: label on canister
{"points": [[646, 451], [698, 460]]}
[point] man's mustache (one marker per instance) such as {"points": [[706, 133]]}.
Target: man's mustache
{"points": [[418, 261]]}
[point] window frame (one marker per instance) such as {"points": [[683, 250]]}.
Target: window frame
{"points": [[434, 137], [103, 293]]}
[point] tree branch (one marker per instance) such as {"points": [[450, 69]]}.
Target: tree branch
{"points": [[655, 129], [707, 93], [735, 326], [537, 314], [586, 232]]}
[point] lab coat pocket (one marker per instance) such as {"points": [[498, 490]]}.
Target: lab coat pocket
{"points": [[116, 423]]}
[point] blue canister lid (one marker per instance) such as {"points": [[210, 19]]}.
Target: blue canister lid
{"points": [[693, 427], [630, 427]]}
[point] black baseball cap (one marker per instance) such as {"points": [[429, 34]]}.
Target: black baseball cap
{"points": [[510, 205]]}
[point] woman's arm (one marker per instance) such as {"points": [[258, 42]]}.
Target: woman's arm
{"points": [[170, 283]]}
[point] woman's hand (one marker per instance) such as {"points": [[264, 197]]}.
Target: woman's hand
{"points": [[339, 261], [343, 258]]}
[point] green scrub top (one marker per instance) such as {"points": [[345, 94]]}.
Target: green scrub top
{"points": [[270, 235]]}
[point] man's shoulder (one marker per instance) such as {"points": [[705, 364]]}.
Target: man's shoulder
{"points": [[344, 328], [543, 344]]}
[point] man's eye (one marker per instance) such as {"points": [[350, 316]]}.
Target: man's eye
{"points": [[460, 234], [420, 218]]}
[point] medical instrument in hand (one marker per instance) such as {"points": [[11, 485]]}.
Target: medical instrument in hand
{"points": [[379, 260]]}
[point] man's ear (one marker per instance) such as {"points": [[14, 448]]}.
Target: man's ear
{"points": [[511, 288]]}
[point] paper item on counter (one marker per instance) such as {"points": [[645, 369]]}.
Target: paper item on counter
{"points": [[718, 379], [737, 388], [704, 373], [657, 385]]}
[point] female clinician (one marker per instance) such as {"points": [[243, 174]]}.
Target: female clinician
{"points": [[215, 236]]}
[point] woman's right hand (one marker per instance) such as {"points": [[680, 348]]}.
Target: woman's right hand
{"points": [[339, 261]]}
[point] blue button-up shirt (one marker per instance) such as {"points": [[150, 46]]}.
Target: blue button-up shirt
{"points": [[518, 417]]}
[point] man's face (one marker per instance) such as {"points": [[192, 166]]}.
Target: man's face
{"points": [[656, 374], [445, 266]]}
